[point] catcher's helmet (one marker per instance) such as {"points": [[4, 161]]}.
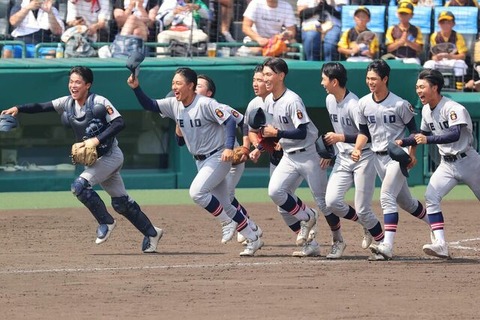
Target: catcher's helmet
{"points": [[133, 62], [324, 151], [7, 122], [398, 154], [258, 118]]}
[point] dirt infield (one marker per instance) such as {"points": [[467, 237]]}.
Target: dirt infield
{"points": [[50, 268]]}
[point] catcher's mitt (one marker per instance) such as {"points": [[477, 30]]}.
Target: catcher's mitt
{"points": [[267, 144], [240, 155], [83, 154]]}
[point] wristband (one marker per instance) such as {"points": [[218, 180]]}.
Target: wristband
{"points": [[246, 151], [260, 147]]}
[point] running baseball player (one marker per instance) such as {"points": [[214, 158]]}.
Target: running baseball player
{"points": [[79, 110], [447, 124], [311, 247], [384, 118], [206, 87], [343, 110], [297, 135], [209, 133]]}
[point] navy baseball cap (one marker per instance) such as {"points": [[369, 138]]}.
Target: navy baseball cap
{"points": [[258, 118], [324, 151], [398, 154]]}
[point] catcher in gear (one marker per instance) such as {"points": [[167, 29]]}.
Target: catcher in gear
{"points": [[95, 123]]}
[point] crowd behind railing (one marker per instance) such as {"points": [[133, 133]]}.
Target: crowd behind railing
{"points": [[414, 31]]}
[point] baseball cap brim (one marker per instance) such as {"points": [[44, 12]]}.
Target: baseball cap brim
{"points": [[405, 10]]}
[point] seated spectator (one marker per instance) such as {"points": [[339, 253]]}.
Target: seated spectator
{"points": [[94, 14], [182, 19], [404, 40], [351, 46], [34, 21], [461, 3], [454, 60], [136, 17], [264, 19], [226, 16], [315, 33]]}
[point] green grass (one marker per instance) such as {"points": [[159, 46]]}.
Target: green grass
{"points": [[65, 199]]}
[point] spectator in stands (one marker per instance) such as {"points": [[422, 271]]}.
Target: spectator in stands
{"points": [[472, 80], [461, 3], [314, 33], [136, 17], [404, 41], [370, 2], [94, 14], [263, 19], [182, 18], [226, 16], [455, 59], [34, 21], [350, 44]]}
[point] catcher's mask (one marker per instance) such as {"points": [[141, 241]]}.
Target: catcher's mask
{"points": [[258, 118], [398, 154], [7, 122], [133, 62], [324, 151]]}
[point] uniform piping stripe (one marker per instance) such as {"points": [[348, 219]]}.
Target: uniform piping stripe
{"points": [[295, 210], [218, 211], [391, 227], [242, 225]]}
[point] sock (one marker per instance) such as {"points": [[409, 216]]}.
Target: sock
{"points": [[216, 209], [335, 226], [420, 213], [292, 207], [437, 225], [243, 227], [391, 222], [295, 227], [351, 214], [377, 232], [237, 205]]}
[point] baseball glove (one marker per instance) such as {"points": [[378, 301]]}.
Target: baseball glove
{"points": [[83, 154], [268, 144], [240, 155]]}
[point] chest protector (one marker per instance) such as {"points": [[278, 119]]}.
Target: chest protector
{"points": [[89, 125]]}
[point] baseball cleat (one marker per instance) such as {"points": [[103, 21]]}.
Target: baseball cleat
{"points": [[306, 226], [104, 231], [228, 230], [367, 239], [383, 249], [240, 238], [310, 249], [376, 257], [252, 247], [437, 249], [150, 244], [336, 252]]}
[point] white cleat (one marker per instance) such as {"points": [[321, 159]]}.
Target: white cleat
{"points": [[376, 257], [228, 230], [310, 249], [241, 239], [383, 249], [367, 239], [150, 243], [252, 247], [306, 226], [437, 249], [336, 252], [104, 231]]}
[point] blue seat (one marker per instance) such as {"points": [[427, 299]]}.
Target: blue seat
{"points": [[422, 18]]}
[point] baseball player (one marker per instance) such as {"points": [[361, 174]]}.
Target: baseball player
{"points": [[311, 247], [206, 87], [209, 133], [384, 117], [297, 135], [448, 125], [79, 110], [342, 105]]}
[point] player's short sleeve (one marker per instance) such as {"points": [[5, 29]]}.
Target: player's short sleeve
{"points": [[215, 111], [59, 103], [298, 112], [405, 111], [166, 108], [112, 112], [235, 114], [344, 42], [457, 115], [461, 45]]}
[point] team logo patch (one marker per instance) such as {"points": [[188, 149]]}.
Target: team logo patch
{"points": [[299, 114], [109, 110], [410, 107], [219, 113], [234, 113], [453, 116]]}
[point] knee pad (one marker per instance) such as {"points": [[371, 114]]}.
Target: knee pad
{"points": [[81, 189]]}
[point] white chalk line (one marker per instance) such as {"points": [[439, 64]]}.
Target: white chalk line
{"points": [[453, 244]]}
